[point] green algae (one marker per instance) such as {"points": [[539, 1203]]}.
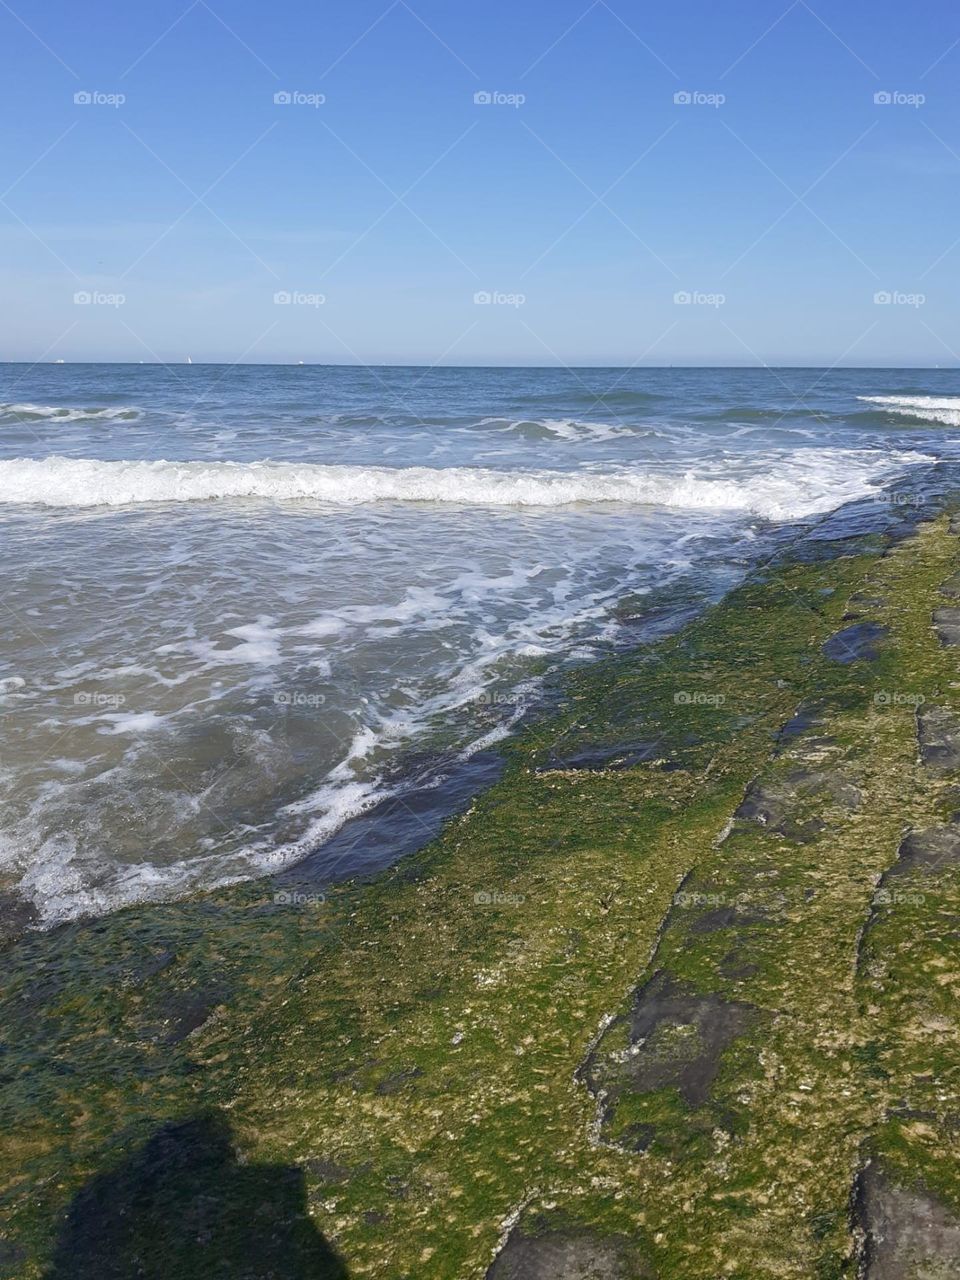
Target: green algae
{"points": [[425, 1035]]}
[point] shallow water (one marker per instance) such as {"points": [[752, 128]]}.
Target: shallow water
{"points": [[245, 604]]}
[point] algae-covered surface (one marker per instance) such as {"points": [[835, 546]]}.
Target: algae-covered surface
{"points": [[677, 997]]}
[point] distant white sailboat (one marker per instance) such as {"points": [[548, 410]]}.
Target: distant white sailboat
{"points": [[189, 360]]}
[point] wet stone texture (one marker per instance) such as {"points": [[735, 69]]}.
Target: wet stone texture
{"points": [[855, 643], [782, 805], [537, 1252], [675, 1039], [947, 623], [939, 733], [908, 1233], [927, 851]]}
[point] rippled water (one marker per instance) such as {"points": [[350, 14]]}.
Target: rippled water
{"points": [[244, 604]]}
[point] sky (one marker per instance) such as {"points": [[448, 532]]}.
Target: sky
{"points": [[527, 182]]}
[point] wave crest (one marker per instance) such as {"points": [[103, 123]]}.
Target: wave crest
{"points": [[61, 413], [942, 409], [805, 482]]}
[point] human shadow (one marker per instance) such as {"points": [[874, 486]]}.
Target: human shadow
{"points": [[182, 1207]]}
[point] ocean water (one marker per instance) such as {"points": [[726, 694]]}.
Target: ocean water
{"points": [[244, 605]]}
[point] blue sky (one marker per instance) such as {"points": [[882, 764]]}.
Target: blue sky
{"points": [[781, 200]]}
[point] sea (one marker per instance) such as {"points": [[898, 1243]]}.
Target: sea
{"points": [[246, 607]]}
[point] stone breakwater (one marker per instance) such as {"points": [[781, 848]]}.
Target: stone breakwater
{"points": [[677, 997]]}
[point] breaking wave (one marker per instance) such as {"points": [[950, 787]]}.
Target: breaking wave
{"points": [[942, 409], [790, 485], [57, 413]]}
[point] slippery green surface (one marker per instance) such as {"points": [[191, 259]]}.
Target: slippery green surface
{"points": [[385, 1084]]}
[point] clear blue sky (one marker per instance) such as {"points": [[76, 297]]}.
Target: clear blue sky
{"points": [[598, 199]]}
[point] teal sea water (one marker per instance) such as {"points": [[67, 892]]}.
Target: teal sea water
{"points": [[245, 605]]}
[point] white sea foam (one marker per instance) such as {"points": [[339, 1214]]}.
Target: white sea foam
{"points": [[570, 430], [942, 409], [60, 413], [790, 485]]}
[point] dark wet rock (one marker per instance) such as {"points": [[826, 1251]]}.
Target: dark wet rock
{"points": [[803, 719], [637, 1137], [396, 827], [947, 623], [909, 1233], [864, 600], [537, 1252], [180, 1013], [328, 1171], [778, 804], [677, 1036], [938, 730], [855, 643], [725, 918], [136, 972], [926, 852], [394, 1082], [623, 755], [17, 915], [951, 587]]}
